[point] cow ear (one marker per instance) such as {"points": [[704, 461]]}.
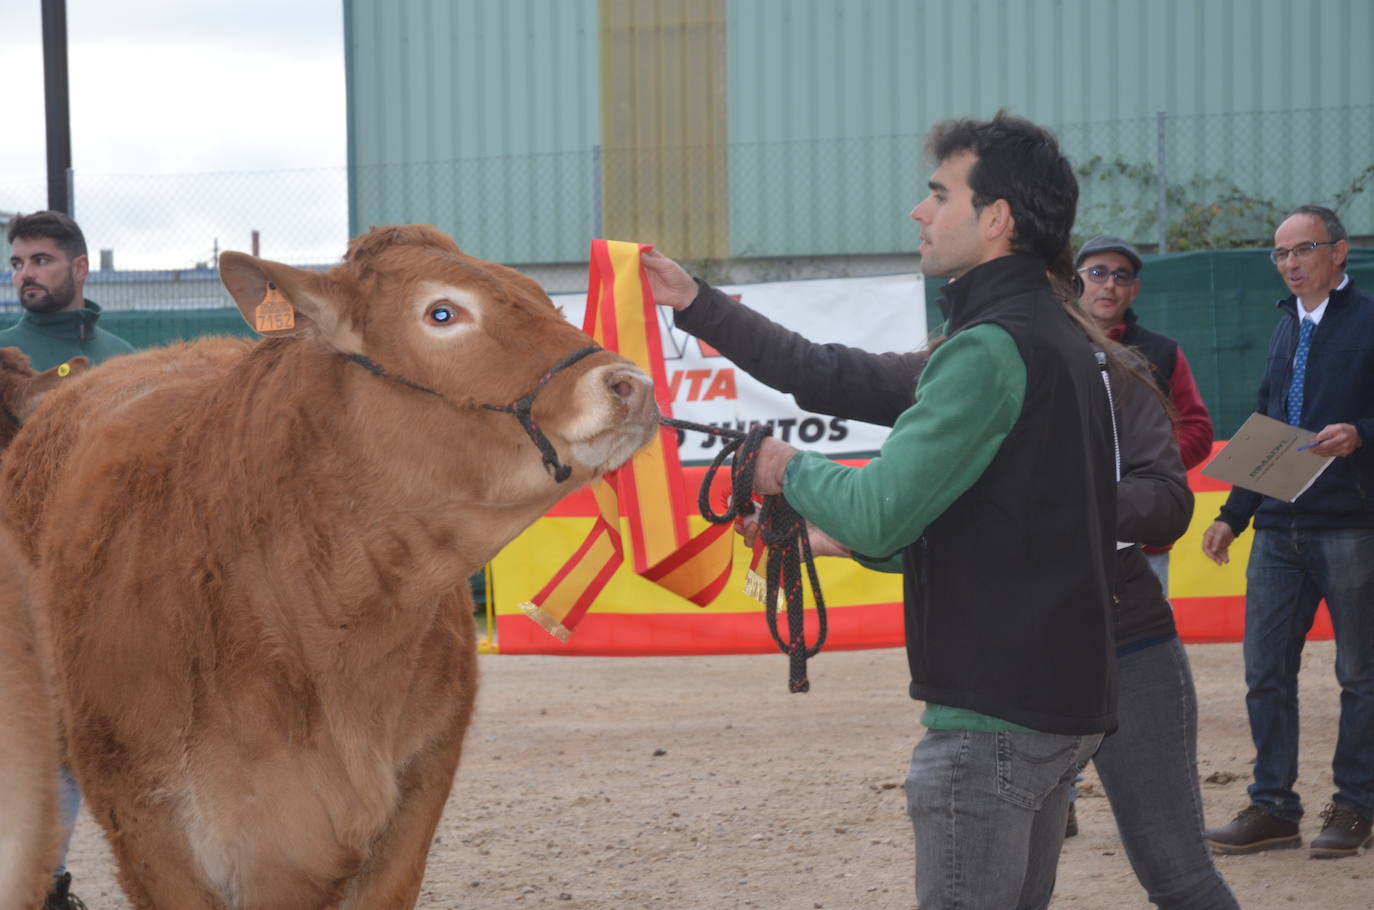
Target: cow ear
{"points": [[276, 299], [43, 383]]}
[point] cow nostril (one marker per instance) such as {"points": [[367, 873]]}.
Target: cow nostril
{"points": [[623, 388]]}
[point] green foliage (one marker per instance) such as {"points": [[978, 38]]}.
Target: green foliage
{"points": [[1204, 213], [1356, 187]]}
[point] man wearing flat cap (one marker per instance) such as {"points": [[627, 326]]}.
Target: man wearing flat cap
{"points": [[1110, 268]]}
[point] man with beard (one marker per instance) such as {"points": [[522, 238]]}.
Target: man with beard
{"points": [[48, 256]]}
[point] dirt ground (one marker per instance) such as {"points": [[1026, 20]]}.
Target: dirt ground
{"points": [[701, 784]]}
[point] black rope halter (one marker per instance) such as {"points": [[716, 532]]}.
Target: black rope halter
{"points": [[520, 408], [783, 529], [784, 532]]}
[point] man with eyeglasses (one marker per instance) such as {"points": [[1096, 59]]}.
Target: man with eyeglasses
{"points": [[1319, 376], [1110, 268]]}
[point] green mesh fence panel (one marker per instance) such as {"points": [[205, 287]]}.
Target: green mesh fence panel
{"points": [[1219, 305], [153, 328]]}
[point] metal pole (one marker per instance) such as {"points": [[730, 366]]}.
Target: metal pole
{"points": [[596, 191], [56, 105], [1162, 205]]}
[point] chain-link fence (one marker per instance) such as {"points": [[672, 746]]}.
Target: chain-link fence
{"points": [[1169, 182], [1221, 181], [154, 240]]}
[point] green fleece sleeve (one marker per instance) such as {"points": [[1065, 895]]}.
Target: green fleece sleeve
{"points": [[967, 401]]}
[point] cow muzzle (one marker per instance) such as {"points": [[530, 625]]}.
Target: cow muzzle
{"points": [[614, 415]]}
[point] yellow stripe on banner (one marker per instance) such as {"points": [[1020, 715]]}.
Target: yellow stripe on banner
{"points": [[527, 562], [629, 300], [652, 483], [607, 501], [698, 572], [564, 597], [655, 503], [1192, 574]]}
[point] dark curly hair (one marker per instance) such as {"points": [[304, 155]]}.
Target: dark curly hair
{"points": [[1020, 162], [56, 226]]}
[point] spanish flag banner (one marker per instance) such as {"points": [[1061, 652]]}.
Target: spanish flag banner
{"points": [[649, 601], [648, 493]]}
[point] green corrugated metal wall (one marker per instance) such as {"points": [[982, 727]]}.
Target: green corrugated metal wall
{"points": [[485, 116], [477, 117]]}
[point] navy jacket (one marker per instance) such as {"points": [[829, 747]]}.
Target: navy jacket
{"points": [[1338, 388]]}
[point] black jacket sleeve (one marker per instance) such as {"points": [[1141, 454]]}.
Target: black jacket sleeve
{"points": [[830, 379]]}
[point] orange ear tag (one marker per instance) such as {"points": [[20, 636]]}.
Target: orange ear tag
{"points": [[274, 314]]}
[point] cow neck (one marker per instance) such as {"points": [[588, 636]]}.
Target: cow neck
{"points": [[520, 408]]}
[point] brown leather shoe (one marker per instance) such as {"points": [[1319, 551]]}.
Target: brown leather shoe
{"points": [[1253, 830], [1344, 833]]}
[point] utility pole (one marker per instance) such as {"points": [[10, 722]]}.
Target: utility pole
{"points": [[57, 106]]}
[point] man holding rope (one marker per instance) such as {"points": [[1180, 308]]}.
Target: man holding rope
{"points": [[995, 497]]}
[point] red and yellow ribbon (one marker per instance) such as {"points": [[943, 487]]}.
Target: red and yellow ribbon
{"points": [[646, 494]]}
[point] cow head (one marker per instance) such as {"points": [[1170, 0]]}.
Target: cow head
{"points": [[21, 389], [451, 337]]}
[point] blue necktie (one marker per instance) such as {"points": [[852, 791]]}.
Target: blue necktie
{"points": [[1299, 371]]}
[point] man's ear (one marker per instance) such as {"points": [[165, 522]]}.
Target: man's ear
{"points": [[1341, 250], [997, 221], [81, 267]]}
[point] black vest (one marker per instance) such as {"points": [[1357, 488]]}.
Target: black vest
{"points": [[1160, 350], [1007, 594]]}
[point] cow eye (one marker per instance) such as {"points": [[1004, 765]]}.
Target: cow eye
{"points": [[445, 312]]}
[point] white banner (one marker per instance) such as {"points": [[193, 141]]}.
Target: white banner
{"points": [[885, 313]]}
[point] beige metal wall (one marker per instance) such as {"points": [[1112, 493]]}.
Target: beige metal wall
{"points": [[663, 119]]}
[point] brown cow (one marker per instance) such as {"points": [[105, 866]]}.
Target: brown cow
{"points": [[252, 563], [28, 749], [29, 828]]}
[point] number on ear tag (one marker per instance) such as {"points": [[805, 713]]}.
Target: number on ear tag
{"points": [[274, 314]]}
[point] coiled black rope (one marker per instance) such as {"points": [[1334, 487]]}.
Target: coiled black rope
{"points": [[784, 532]]}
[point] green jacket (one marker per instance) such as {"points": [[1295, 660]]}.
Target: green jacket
{"points": [[54, 338]]}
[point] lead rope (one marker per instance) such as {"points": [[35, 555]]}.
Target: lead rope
{"points": [[784, 532]]}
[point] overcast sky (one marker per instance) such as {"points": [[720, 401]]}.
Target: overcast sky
{"points": [[247, 96]]}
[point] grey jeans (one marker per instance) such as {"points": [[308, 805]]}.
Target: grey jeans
{"points": [[1149, 772], [988, 810]]}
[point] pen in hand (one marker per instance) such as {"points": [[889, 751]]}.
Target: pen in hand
{"points": [[1315, 442]]}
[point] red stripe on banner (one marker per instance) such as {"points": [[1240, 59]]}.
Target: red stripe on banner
{"points": [[602, 307], [627, 487], [686, 552], [677, 634], [581, 503], [707, 594], [584, 603], [599, 530], [1201, 620], [658, 369], [1207, 620], [1199, 482]]}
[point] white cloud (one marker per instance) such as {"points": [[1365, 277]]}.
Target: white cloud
{"points": [[170, 87]]}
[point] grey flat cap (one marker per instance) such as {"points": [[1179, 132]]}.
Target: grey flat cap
{"points": [[1106, 243]]}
